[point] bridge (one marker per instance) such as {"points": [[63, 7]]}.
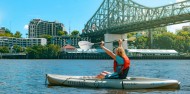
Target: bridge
{"points": [[124, 16]]}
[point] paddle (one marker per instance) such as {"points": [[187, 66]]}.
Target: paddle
{"points": [[85, 45]]}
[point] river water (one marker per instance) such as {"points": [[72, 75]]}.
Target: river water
{"points": [[28, 76]]}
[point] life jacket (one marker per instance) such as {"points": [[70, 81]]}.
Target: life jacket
{"points": [[125, 65]]}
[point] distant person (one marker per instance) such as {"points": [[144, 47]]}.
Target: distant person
{"points": [[121, 63]]}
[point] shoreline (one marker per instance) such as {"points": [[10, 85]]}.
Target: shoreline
{"points": [[99, 57]]}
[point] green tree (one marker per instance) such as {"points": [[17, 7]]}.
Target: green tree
{"points": [[17, 34], [4, 49], [183, 33], [179, 43], [65, 32], [31, 52], [141, 42], [159, 30], [131, 34], [53, 51], [62, 33], [7, 33], [182, 41], [17, 49], [48, 37], [35, 52], [43, 52], [164, 41], [75, 33]]}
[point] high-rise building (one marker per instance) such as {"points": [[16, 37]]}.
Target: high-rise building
{"points": [[38, 27]]}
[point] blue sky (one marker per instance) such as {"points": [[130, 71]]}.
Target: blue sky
{"points": [[16, 14]]}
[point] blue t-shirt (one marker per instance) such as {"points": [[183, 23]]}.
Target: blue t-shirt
{"points": [[119, 61]]}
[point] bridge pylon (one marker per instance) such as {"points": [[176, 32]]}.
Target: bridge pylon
{"points": [[113, 37]]}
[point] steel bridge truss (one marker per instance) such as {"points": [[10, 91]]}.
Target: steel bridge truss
{"points": [[123, 16]]}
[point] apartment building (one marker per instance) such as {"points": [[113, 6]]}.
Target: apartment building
{"points": [[23, 42], [38, 27]]}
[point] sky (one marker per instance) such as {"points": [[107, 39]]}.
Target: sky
{"points": [[16, 14]]}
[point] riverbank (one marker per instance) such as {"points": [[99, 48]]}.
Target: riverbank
{"points": [[91, 56]]}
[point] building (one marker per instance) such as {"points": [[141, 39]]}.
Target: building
{"points": [[38, 27], [23, 42], [151, 52], [68, 48]]}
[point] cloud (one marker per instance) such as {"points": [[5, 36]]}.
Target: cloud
{"points": [[26, 27]]}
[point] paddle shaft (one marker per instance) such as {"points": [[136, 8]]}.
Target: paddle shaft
{"points": [[87, 44], [109, 41]]}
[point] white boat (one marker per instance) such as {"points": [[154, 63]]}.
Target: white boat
{"points": [[128, 83]]}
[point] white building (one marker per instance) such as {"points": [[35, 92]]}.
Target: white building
{"points": [[23, 42], [151, 52]]}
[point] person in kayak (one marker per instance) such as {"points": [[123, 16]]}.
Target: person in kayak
{"points": [[121, 62]]}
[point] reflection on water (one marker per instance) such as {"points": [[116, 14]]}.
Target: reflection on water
{"points": [[28, 76]]}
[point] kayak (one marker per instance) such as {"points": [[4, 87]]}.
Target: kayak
{"points": [[128, 83]]}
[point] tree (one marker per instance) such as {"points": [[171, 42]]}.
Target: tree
{"points": [[160, 30], [183, 33], [36, 51], [62, 33], [43, 52], [48, 37], [75, 33], [182, 41], [164, 40], [141, 42], [65, 32], [4, 49], [131, 34], [53, 50], [7, 33], [17, 49], [17, 34]]}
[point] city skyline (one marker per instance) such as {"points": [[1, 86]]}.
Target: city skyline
{"points": [[16, 15]]}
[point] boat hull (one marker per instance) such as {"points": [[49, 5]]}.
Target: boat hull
{"points": [[128, 83]]}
